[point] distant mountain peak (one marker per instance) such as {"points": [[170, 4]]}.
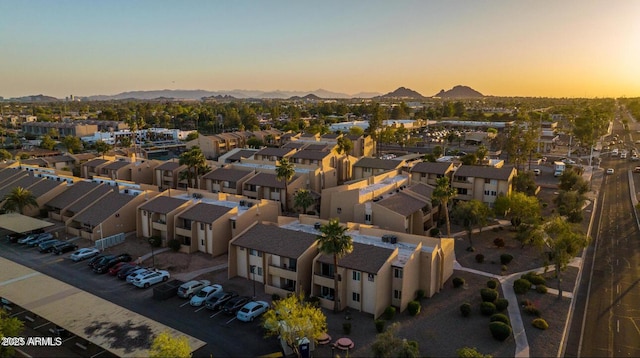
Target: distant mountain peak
{"points": [[459, 91], [403, 92]]}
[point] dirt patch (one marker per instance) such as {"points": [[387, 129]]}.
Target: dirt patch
{"points": [[545, 343]]}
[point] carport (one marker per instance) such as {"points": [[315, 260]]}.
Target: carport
{"points": [[19, 223]]}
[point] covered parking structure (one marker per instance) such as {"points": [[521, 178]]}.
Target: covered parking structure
{"points": [[19, 223]]}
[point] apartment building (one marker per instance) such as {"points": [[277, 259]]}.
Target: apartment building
{"points": [[429, 172], [483, 183], [167, 175], [227, 180], [156, 217], [367, 167]]}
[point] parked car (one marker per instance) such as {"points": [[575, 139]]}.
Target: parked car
{"points": [[610, 171], [105, 265], [83, 254], [204, 294], [252, 310], [13, 238], [30, 239], [233, 305], [536, 172], [218, 299], [139, 272], [151, 278], [123, 273], [41, 238], [636, 169], [98, 259], [189, 289], [47, 246], [119, 266], [64, 247]]}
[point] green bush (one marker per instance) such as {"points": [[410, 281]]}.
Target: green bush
{"points": [[499, 317], [534, 278], [420, 294], [526, 302], [414, 308], [174, 245], [532, 310], [488, 295], [434, 232], [276, 297], [506, 259], [492, 284], [380, 325], [501, 304], [540, 323], [500, 330], [467, 352], [541, 289], [504, 268], [458, 282], [521, 286], [465, 309], [499, 242], [487, 308], [155, 241], [389, 313], [314, 301], [346, 327], [479, 258]]}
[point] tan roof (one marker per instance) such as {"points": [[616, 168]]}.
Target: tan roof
{"points": [[479, 171], [116, 165], [275, 240], [59, 159], [319, 146], [310, 154], [20, 223], [431, 168], [422, 189], [227, 174], [365, 258], [90, 198], [162, 204], [244, 153], [294, 145], [377, 163], [71, 194], [204, 213], [402, 203], [268, 180], [35, 161], [103, 208], [95, 162], [274, 152], [168, 166]]}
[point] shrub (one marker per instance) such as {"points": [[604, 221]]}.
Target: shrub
{"points": [[488, 295], [501, 304], [174, 245], [346, 327], [532, 310], [505, 259], [467, 352], [521, 286], [526, 302], [155, 241], [504, 268], [541, 289], [495, 229], [479, 258], [434, 232], [458, 282], [500, 330], [276, 297], [465, 309], [414, 308], [487, 308], [499, 242], [314, 301], [492, 284], [380, 325], [534, 278], [499, 317], [540, 323], [420, 294], [389, 313]]}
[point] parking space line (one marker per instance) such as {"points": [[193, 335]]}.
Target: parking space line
{"points": [[199, 309], [231, 320], [215, 314], [42, 325], [184, 304]]}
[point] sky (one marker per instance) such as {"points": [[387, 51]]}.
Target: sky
{"points": [[540, 48]]}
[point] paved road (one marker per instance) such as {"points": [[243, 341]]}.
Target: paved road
{"points": [[610, 327], [225, 338]]}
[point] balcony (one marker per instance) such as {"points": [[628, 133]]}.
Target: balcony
{"points": [[159, 225], [183, 231], [282, 272]]}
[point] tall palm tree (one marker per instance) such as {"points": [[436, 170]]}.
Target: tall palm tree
{"points": [[334, 241], [442, 194], [344, 146], [285, 170], [303, 199], [196, 162], [18, 199]]}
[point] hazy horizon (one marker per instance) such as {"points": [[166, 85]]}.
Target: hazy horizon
{"points": [[499, 48]]}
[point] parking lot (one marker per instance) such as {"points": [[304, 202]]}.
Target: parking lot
{"points": [[217, 329]]}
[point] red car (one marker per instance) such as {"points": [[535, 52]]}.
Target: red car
{"points": [[119, 266]]}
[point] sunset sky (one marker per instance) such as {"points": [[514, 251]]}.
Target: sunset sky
{"points": [[557, 48]]}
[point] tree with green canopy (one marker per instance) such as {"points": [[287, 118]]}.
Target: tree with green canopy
{"points": [[334, 241], [285, 170], [166, 346], [442, 194], [19, 199]]}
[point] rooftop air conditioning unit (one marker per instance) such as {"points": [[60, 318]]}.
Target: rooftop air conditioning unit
{"points": [[317, 226], [393, 239], [249, 204], [243, 203], [385, 238]]}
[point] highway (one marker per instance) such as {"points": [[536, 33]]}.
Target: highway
{"points": [[610, 291]]}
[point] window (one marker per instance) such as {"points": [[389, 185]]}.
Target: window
{"points": [[201, 226], [356, 275], [462, 191], [494, 193], [254, 252], [259, 271], [355, 296], [487, 181], [339, 210], [371, 277], [366, 170], [397, 272], [459, 178], [226, 184], [397, 294], [326, 292], [367, 217], [326, 270]]}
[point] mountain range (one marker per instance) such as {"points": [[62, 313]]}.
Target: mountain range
{"points": [[400, 93]]}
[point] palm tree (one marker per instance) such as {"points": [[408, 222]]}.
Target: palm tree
{"points": [[18, 199], [442, 194], [285, 170], [102, 147], [303, 199], [196, 162], [334, 241], [344, 146]]}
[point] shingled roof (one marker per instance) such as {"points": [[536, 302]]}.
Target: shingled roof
{"points": [[377, 163], [402, 203], [43, 186], [365, 258], [276, 240], [25, 182], [274, 152], [116, 165], [168, 166], [227, 174], [479, 171], [422, 189], [90, 198], [162, 204], [310, 154], [431, 168], [268, 180], [103, 208], [204, 213], [73, 193]]}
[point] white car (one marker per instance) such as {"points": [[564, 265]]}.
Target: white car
{"points": [[536, 172], [84, 254], [204, 294], [137, 273], [147, 279], [610, 171], [252, 310]]}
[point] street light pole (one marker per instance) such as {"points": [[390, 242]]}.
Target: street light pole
{"points": [[253, 272]]}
